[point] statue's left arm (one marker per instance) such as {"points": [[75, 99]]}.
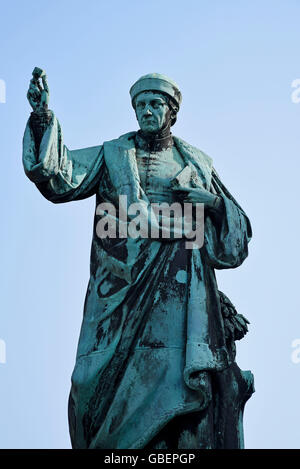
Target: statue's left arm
{"points": [[227, 231]]}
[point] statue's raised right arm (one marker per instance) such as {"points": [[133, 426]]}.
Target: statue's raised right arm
{"points": [[60, 174]]}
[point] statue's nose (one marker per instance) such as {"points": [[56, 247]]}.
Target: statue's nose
{"points": [[148, 112]]}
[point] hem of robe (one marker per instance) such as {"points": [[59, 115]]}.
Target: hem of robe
{"points": [[141, 420]]}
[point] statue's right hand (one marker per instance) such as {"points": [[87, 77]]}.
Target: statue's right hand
{"points": [[37, 95], [34, 94]]}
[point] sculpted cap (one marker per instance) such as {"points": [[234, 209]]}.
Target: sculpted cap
{"points": [[156, 82]]}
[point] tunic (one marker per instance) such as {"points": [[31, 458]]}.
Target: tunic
{"points": [[156, 170]]}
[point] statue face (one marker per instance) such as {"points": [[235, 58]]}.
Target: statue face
{"points": [[152, 111]]}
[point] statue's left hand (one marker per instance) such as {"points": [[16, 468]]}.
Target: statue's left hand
{"points": [[201, 196], [38, 95]]}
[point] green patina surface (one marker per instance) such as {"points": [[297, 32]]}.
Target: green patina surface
{"points": [[155, 363]]}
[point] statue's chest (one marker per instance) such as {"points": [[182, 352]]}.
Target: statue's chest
{"points": [[156, 170]]}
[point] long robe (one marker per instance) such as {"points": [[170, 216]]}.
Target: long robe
{"points": [[134, 371]]}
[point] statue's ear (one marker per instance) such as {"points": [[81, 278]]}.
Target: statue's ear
{"points": [[173, 116], [174, 110], [134, 108]]}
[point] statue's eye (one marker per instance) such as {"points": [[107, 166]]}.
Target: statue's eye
{"points": [[156, 104], [140, 105]]}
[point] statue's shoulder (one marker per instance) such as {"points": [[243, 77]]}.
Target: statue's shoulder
{"points": [[125, 139], [193, 152]]}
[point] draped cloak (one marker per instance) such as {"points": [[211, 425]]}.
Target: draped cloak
{"points": [[140, 361]]}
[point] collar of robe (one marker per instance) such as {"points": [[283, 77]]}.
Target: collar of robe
{"points": [[158, 142]]}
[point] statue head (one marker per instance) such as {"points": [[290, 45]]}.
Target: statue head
{"points": [[156, 100]]}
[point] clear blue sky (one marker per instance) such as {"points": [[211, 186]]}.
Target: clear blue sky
{"points": [[235, 62]]}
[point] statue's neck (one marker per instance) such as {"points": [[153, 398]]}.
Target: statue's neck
{"points": [[154, 142]]}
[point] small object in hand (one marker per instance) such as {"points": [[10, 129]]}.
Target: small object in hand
{"points": [[38, 73]]}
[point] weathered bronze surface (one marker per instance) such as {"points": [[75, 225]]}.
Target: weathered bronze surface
{"points": [[155, 365]]}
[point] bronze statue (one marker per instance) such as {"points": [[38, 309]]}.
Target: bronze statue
{"points": [[155, 365]]}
